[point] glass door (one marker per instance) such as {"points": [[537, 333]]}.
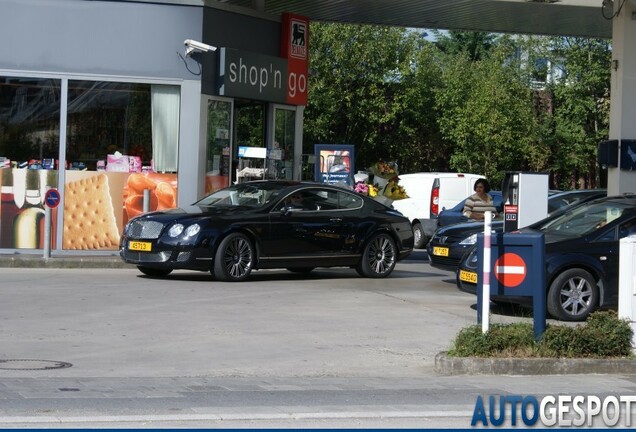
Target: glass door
{"points": [[280, 157], [218, 144]]}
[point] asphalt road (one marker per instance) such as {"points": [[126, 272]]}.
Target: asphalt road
{"points": [[283, 350]]}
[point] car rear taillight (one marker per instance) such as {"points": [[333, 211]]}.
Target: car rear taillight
{"points": [[435, 200]]}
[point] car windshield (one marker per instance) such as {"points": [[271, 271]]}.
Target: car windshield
{"points": [[585, 219], [246, 195]]}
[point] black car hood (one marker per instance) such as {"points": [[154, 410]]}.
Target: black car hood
{"points": [[193, 211]]}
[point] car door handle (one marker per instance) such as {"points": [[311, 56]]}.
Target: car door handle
{"points": [[335, 219]]}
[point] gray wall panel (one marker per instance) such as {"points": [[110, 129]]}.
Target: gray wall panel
{"points": [[97, 37]]}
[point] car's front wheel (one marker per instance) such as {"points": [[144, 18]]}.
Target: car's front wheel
{"points": [[234, 258], [154, 272], [419, 237], [573, 295], [378, 258]]}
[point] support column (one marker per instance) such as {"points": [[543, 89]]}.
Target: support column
{"points": [[623, 91]]}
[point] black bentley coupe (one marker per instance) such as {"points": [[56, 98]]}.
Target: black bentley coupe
{"points": [[270, 224]]}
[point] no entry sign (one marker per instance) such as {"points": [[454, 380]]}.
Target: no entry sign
{"points": [[510, 270]]}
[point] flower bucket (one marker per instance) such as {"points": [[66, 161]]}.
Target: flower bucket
{"points": [[381, 181]]}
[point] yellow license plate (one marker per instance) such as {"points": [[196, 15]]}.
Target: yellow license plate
{"points": [[140, 246], [467, 276], [440, 251]]}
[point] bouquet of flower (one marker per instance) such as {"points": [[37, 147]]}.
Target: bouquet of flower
{"points": [[366, 189], [394, 191], [385, 170], [361, 188]]}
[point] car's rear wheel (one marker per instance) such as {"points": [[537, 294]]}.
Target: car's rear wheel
{"points": [[234, 258], [300, 269], [154, 272], [573, 295], [378, 258], [419, 237]]}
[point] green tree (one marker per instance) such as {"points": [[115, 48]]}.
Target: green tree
{"points": [[474, 45], [581, 110], [364, 91], [485, 113]]}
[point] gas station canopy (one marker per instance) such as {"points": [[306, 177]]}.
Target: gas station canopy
{"points": [[585, 18]]}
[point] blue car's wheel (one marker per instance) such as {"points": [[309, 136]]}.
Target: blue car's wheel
{"points": [[234, 258], [419, 237]]}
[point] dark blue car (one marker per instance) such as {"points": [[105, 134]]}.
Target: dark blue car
{"points": [[456, 214], [449, 243], [581, 257]]}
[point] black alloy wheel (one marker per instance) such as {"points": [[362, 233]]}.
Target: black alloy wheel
{"points": [[379, 257], [234, 258]]}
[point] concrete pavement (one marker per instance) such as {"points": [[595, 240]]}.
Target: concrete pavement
{"points": [[327, 349], [443, 365]]}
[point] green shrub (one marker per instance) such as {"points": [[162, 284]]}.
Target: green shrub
{"points": [[603, 335]]}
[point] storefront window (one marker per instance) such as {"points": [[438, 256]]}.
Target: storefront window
{"points": [[218, 145], [29, 121], [130, 131], [121, 154], [29, 149]]}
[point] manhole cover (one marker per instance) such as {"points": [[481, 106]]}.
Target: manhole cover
{"points": [[23, 364]]}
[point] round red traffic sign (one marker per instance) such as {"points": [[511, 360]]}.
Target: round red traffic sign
{"points": [[52, 198], [510, 270]]}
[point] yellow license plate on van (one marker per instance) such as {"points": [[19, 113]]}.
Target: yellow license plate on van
{"points": [[140, 246], [467, 276], [440, 251]]}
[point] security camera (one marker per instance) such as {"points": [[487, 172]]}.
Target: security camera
{"points": [[192, 45]]}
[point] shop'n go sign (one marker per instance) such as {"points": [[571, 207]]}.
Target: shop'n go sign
{"points": [[294, 46]]}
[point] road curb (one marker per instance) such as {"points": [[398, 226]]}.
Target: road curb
{"points": [[445, 365], [34, 261]]}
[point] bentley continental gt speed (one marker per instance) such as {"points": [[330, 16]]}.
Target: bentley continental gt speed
{"points": [[270, 224]]}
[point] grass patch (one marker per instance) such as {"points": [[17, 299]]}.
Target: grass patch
{"points": [[604, 335]]}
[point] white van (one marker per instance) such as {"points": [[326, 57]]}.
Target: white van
{"points": [[430, 193]]}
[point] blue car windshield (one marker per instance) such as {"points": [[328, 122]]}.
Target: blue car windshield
{"points": [[255, 194], [586, 219]]}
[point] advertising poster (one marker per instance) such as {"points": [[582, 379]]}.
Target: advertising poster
{"points": [[97, 204], [335, 163]]}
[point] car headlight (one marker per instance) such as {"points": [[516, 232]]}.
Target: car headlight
{"points": [[192, 230], [470, 240], [175, 230]]}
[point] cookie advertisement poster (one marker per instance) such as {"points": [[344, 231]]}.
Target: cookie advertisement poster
{"points": [[97, 205]]}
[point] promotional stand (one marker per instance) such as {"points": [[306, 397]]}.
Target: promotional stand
{"points": [[335, 163]]}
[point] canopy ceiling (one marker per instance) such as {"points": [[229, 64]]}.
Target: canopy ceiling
{"points": [[550, 17]]}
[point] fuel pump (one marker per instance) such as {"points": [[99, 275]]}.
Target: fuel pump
{"points": [[525, 198]]}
